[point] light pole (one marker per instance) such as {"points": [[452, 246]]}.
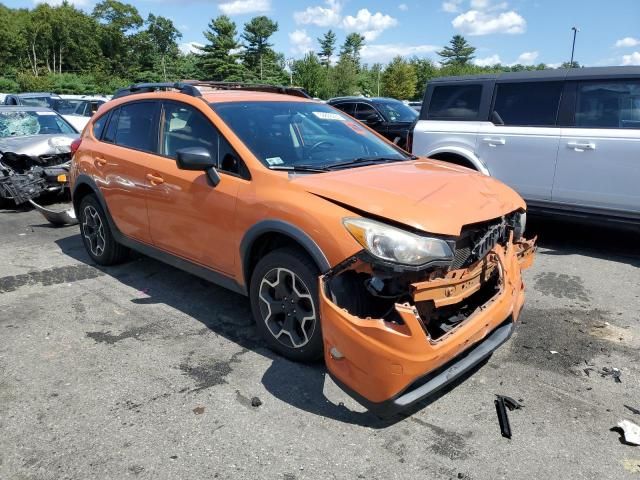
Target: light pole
{"points": [[573, 47]]}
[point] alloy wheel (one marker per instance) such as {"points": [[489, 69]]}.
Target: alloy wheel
{"points": [[287, 308], [93, 230]]}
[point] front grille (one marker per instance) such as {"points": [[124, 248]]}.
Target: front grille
{"points": [[477, 240]]}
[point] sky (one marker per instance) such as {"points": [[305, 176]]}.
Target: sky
{"points": [[507, 32]]}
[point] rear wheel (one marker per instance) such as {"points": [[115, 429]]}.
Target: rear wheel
{"points": [[96, 234], [284, 302]]}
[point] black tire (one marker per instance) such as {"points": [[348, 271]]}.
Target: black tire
{"points": [[298, 340], [100, 244]]}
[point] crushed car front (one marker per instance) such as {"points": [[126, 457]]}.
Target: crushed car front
{"points": [[437, 285]]}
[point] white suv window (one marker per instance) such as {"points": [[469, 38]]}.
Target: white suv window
{"points": [[608, 104], [455, 102], [527, 103]]}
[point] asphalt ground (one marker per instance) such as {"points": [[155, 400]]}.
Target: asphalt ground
{"points": [[141, 370]]}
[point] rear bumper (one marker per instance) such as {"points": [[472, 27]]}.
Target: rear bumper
{"points": [[388, 367]]}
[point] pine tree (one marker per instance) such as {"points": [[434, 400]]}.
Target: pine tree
{"points": [[257, 47], [219, 58], [459, 52], [351, 48], [327, 47]]}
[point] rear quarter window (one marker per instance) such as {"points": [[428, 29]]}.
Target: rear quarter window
{"points": [[455, 102], [532, 104], [99, 124]]}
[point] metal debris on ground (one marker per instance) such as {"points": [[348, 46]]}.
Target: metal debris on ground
{"points": [[635, 411], [64, 217], [631, 432], [611, 372], [503, 418]]}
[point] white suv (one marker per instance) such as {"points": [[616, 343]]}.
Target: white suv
{"points": [[567, 140]]}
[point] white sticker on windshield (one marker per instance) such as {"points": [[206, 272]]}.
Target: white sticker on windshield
{"points": [[329, 116], [274, 161], [41, 114]]}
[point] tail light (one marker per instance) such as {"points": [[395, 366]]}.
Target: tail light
{"points": [[75, 145]]}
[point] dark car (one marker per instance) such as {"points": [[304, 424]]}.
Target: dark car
{"points": [[387, 116], [40, 99]]}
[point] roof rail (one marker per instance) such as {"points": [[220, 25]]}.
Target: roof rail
{"points": [[189, 87]]}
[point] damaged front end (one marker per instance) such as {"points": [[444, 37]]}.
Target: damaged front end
{"points": [[394, 335], [33, 165]]}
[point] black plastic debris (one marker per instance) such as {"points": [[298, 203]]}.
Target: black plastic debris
{"points": [[611, 372], [635, 411], [255, 402], [503, 418]]}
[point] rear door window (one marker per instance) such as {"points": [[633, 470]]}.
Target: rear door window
{"points": [[110, 132], [455, 102], [608, 104], [348, 107], [527, 103], [137, 126]]}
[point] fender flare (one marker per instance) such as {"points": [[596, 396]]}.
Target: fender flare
{"points": [[463, 152], [283, 228]]}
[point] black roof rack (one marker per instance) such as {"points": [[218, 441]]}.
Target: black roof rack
{"points": [[189, 87]]}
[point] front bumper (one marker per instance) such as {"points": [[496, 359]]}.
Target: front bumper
{"points": [[389, 366]]}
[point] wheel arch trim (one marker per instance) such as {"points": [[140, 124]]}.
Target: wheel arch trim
{"points": [[465, 153]]}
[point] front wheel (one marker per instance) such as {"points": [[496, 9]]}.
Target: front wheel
{"points": [[284, 302]]}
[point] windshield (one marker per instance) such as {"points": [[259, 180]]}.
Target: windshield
{"points": [[69, 107], [286, 134], [397, 111], [37, 101], [19, 124]]}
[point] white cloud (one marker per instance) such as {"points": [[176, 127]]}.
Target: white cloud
{"points": [[527, 58], [487, 61], [632, 59], [240, 7], [451, 6], [479, 4], [384, 52], [55, 3], [475, 22], [190, 47], [321, 16], [404, 7], [627, 42], [368, 24], [300, 41]]}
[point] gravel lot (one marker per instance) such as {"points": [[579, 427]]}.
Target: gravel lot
{"points": [[141, 370]]}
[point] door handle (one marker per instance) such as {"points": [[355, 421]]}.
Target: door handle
{"points": [[493, 142], [100, 162], [154, 179], [581, 147]]}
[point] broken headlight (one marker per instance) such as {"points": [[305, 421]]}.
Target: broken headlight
{"points": [[395, 245]]}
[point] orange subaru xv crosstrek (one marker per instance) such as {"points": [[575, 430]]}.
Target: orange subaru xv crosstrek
{"points": [[402, 272]]}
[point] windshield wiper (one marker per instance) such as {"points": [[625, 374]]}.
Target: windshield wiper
{"points": [[299, 168], [363, 161]]}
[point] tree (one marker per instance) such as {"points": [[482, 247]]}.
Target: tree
{"points": [[399, 79], [425, 70], [344, 77], [310, 74], [219, 59], [458, 52], [351, 48], [570, 65], [257, 47], [327, 47]]}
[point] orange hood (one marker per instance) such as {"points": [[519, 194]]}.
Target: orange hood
{"points": [[428, 195]]}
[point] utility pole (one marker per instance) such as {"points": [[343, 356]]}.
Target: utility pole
{"points": [[379, 68], [573, 47]]}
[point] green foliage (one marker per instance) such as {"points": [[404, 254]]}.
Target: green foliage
{"points": [[458, 52], [399, 79], [219, 58], [310, 74], [327, 47], [8, 86], [343, 78], [259, 58], [28, 82], [351, 48]]}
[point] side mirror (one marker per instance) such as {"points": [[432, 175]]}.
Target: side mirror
{"points": [[373, 119], [198, 158]]}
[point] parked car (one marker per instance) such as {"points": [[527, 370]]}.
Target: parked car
{"points": [[35, 152], [567, 140], [78, 109], [33, 99], [417, 106], [389, 117], [402, 272]]}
